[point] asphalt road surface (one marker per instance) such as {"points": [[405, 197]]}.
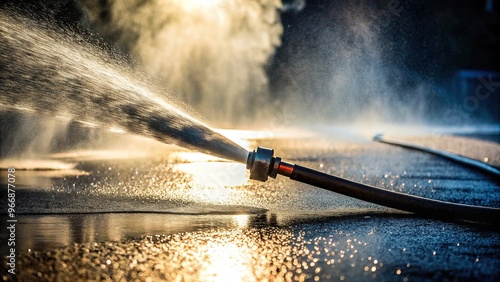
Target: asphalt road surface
{"points": [[148, 212]]}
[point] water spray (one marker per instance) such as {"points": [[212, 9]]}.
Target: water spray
{"points": [[262, 163]]}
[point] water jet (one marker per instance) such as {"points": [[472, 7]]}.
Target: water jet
{"points": [[50, 73]]}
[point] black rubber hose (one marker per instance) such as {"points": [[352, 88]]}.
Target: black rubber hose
{"points": [[401, 201], [454, 157]]}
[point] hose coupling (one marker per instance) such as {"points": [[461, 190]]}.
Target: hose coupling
{"points": [[262, 164]]}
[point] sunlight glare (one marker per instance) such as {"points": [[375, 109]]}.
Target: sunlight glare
{"points": [[228, 262], [201, 5]]}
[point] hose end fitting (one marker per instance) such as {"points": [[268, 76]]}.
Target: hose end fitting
{"points": [[262, 163]]}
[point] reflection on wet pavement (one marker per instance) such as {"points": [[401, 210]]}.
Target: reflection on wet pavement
{"points": [[246, 249]]}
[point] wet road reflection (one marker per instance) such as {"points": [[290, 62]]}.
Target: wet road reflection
{"points": [[266, 247], [39, 232]]}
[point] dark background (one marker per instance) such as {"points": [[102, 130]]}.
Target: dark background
{"points": [[429, 38]]}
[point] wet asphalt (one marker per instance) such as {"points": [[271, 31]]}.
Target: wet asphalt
{"points": [[173, 215]]}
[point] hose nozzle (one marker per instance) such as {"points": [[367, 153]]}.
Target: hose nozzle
{"points": [[262, 163]]}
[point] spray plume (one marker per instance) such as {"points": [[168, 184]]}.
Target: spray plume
{"points": [[211, 53], [45, 72]]}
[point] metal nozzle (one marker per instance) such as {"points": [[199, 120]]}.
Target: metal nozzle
{"points": [[262, 163]]}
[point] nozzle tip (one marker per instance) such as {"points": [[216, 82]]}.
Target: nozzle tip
{"points": [[260, 162]]}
